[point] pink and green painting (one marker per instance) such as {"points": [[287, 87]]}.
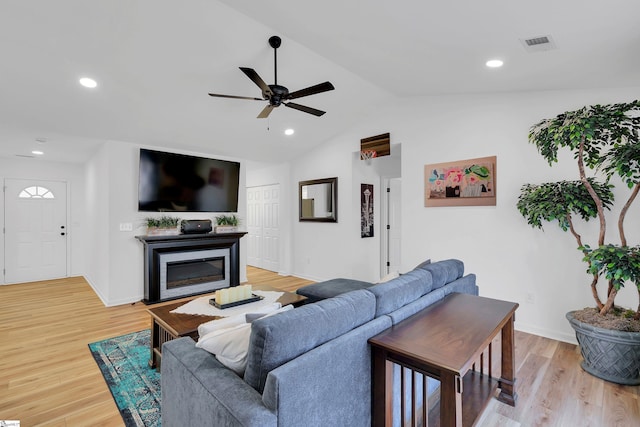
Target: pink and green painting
{"points": [[461, 183]]}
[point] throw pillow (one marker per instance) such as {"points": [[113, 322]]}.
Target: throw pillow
{"points": [[224, 323], [250, 317], [231, 321], [229, 345]]}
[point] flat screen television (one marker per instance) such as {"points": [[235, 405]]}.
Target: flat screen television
{"points": [[171, 182]]}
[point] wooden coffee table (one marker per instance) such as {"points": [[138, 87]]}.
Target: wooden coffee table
{"points": [[167, 326], [444, 341]]}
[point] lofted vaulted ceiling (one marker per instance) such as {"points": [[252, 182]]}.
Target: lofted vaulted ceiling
{"points": [[156, 60]]}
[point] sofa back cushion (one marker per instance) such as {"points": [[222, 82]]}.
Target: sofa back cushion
{"points": [[401, 291], [278, 339], [445, 271]]}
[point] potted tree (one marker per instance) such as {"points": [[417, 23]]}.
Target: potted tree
{"points": [[163, 225], [227, 223], [604, 139]]}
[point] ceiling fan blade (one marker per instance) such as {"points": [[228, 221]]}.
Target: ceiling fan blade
{"points": [[305, 109], [265, 112], [235, 97], [251, 73], [311, 90]]}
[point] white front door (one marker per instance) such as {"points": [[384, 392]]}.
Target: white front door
{"points": [[263, 227], [35, 230]]}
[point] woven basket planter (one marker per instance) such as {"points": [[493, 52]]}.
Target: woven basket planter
{"points": [[611, 355]]}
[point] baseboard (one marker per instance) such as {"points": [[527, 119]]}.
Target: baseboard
{"points": [[105, 300], [554, 335], [305, 277]]}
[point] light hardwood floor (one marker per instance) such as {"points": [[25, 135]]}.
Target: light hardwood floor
{"points": [[48, 377]]}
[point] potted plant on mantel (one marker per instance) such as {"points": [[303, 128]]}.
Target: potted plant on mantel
{"points": [[604, 139], [162, 226], [227, 223]]}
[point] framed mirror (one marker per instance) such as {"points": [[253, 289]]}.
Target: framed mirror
{"points": [[318, 200]]}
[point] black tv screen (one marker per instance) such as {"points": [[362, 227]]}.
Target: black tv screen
{"points": [[172, 182]]}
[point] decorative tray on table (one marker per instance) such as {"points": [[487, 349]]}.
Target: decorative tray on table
{"points": [[253, 298]]}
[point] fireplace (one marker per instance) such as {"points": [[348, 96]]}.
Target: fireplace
{"points": [[191, 272], [186, 265]]}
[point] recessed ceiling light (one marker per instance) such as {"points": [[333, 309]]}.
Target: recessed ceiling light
{"points": [[494, 63], [87, 82], [289, 131], [38, 152]]}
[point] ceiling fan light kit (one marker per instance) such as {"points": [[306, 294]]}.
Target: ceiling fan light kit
{"points": [[277, 94]]}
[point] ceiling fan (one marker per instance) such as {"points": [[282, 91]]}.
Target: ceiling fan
{"points": [[276, 94]]}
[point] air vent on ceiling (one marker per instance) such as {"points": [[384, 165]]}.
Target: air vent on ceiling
{"points": [[538, 44]]}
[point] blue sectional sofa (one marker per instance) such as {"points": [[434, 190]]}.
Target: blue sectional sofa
{"points": [[305, 367]]}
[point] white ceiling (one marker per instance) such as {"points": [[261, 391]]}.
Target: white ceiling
{"points": [[156, 60]]}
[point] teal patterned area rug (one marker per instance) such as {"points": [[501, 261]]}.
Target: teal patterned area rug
{"points": [[134, 385]]}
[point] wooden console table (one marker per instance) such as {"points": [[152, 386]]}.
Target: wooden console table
{"points": [[444, 341]]}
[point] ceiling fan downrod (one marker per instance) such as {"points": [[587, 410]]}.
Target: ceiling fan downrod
{"points": [[275, 42]]}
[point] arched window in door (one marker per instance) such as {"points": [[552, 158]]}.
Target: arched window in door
{"points": [[36, 192]]}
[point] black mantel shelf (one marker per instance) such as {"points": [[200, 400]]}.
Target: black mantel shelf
{"points": [[163, 237], [157, 244]]}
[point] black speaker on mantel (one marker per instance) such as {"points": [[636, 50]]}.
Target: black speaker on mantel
{"points": [[195, 226]]}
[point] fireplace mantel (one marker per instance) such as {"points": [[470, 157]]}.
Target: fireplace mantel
{"points": [[155, 246]]}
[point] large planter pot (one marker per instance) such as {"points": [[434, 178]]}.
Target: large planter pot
{"points": [[611, 355]]}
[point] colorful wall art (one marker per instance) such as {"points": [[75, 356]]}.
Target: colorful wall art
{"points": [[461, 183]]}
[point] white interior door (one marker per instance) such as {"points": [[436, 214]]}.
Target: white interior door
{"points": [[271, 227], [263, 227], [392, 222], [35, 230], [254, 226]]}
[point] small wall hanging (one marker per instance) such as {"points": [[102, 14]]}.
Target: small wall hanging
{"points": [[366, 210]]}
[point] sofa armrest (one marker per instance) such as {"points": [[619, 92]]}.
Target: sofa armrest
{"points": [[197, 390]]}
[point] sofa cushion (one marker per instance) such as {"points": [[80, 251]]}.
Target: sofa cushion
{"points": [[401, 291], [423, 263], [331, 288], [445, 271], [463, 285], [278, 339]]}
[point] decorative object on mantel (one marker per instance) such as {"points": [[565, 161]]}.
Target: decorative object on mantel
{"points": [[195, 226], [604, 138], [162, 226], [461, 183], [366, 210], [227, 223]]}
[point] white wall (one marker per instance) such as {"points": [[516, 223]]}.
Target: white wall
{"points": [[18, 168], [115, 258], [510, 258], [95, 244]]}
